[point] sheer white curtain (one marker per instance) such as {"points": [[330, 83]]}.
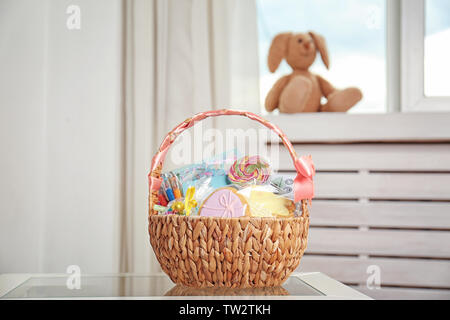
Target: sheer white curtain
{"points": [[181, 57], [60, 114]]}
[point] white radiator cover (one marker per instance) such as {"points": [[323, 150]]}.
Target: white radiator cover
{"points": [[382, 199]]}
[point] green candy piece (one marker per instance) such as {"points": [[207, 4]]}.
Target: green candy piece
{"points": [[159, 208]]}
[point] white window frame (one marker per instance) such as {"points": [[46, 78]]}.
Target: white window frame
{"points": [[393, 57], [413, 98]]}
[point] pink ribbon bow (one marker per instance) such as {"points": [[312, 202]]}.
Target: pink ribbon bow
{"points": [[303, 183]]}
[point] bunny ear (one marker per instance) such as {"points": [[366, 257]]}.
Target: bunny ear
{"points": [[322, 47], [277, 50]]}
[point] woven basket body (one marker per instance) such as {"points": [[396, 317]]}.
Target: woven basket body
{"points": [[226, 252]]}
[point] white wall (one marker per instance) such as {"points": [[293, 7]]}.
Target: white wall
{"points": [[60, 122]]}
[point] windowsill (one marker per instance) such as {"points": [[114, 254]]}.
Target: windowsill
{"points": [[369, 128]]}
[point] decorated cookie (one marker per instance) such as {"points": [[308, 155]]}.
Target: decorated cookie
{"points": [[248, 170], [224, 203], [267, 204]]}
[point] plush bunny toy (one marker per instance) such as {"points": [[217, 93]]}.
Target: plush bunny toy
{"points": [[301, 91]]}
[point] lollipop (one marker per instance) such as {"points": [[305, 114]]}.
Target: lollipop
{"points": [[249, 169]]}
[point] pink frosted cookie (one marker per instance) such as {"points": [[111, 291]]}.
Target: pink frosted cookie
{"points": [[225, 203]]}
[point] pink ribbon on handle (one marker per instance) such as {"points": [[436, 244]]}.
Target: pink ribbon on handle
{"points": [[154, 183], [303, 183]]}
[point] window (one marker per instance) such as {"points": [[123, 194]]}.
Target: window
{"points": [[395, 51], [355, 35]]}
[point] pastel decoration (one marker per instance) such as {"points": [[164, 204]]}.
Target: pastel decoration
{"points": [[219, 180], [283, 184], [189, 201], [249, 170], [159, 208], [178, 207], [224, 203], [267, 204]]}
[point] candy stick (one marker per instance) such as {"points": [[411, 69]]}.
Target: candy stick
{"points": [[175, 186], [180, 185], [163, 192], [162, 199], [169, 191]]}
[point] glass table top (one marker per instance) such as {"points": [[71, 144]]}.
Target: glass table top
{"points": [[143, 286]]}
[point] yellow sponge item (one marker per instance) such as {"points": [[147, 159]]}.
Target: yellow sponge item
{"points": [[267, 204]]}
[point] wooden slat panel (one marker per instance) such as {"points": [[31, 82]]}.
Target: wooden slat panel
{"points": [[387, 214], [405, 186], [420, 272], [379, 242], [405, 294], [335, 127], [383, 186], [388, 157]]}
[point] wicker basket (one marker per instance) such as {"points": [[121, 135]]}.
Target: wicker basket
{"points": [[229, 252]]}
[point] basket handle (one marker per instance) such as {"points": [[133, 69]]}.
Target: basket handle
{"points": [[303, 183]]}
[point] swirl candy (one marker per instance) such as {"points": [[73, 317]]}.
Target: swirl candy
{"points": [[249, 169]]}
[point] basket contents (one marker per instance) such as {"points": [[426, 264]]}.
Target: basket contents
{"points": [[246, 187], [265, 203], [284, 185], [225, 202], [248, 170]]}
